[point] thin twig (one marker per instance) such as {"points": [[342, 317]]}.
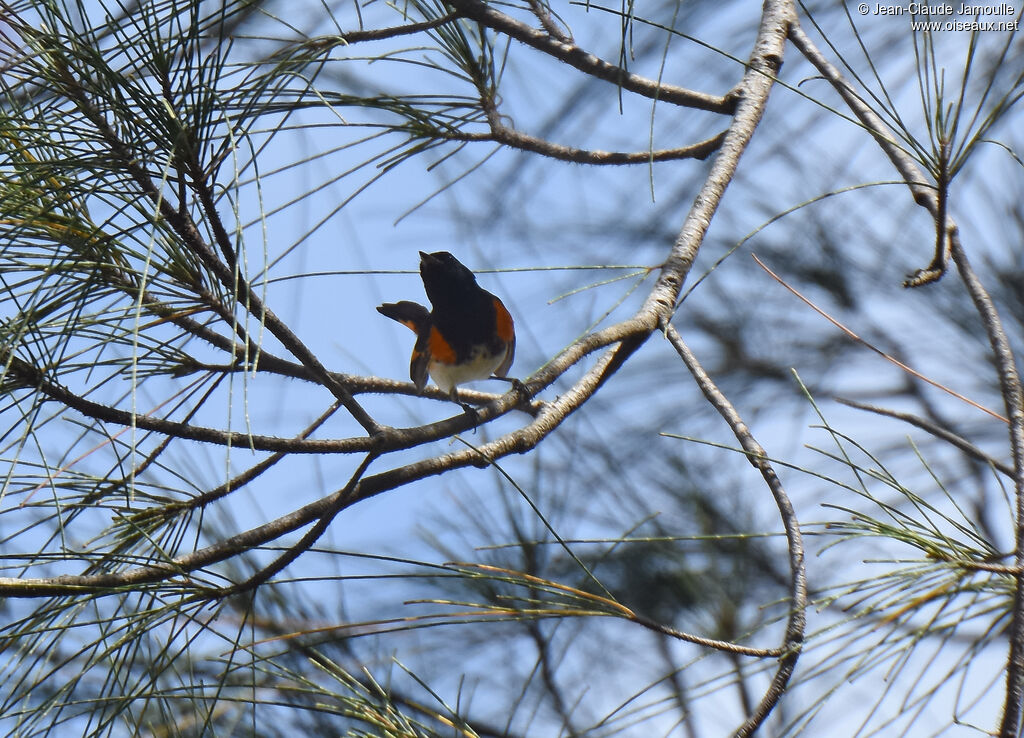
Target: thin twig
{"points": [[866, 344], [512, 138], [307, 541], [327, 42], [391, 439], [508, 136], [936, 430], [718, 645], [917, 182], [250, 474], [547, 22]]}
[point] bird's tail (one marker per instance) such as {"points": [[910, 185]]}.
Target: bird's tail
{"points": [[410, 314]]}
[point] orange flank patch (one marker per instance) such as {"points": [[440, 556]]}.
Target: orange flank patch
{"points": [[506, 329], [440, 349]]}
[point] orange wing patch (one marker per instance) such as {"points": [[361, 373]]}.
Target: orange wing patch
{"points": [[439, 349], [506, 328], [506, 332]]}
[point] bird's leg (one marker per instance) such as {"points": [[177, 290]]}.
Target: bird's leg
{"points": [[468, 409]]}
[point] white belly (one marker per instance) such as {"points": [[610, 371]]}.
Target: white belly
{"points": [[481, 366]]}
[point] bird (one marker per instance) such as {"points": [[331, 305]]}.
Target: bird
{"points": [[468, 334]]}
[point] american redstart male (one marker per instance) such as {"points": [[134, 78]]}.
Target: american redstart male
{"points": [[467, 335]]}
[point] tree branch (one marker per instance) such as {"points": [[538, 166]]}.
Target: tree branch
{"points": [[503, 134], [921, 189], [1010, 388], [758, 457], [926, 196], [936, 430], [519, 441], [311, 536], [391, 439], [574, 56], [326, 43]]}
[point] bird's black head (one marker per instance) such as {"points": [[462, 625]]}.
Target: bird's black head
{"points": [[444, 277]]}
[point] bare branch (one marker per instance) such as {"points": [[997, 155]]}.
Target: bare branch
{"points": [[714, 643], [503, 134], [390, 439], [1010, 388], [584, 61], [250, 474], [311, 536], [909, 370], [936, 430], [320, 44], [758, 457]]}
